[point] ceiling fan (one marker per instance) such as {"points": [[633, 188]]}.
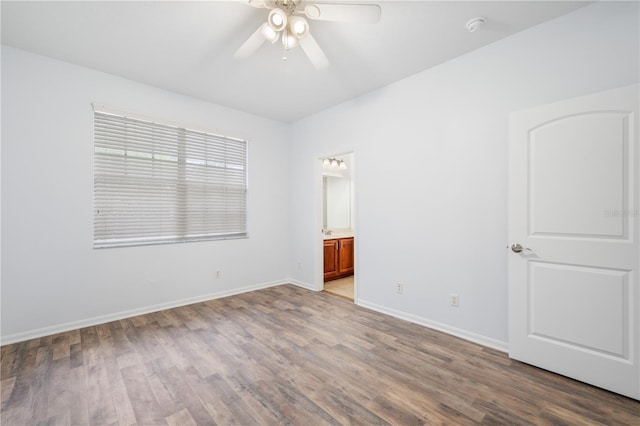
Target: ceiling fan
{"points": [[287, 22]]}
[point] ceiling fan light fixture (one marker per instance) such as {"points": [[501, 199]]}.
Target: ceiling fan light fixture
{"points": [[277, 19], [289, 41], [287, 20], [269, 33], [312, 11], [299, 26]]}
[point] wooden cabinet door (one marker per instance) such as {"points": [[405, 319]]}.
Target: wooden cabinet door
{"points": [[346, 256], [331, 261]]}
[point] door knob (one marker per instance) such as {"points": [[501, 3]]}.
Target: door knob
{"points": [[517, 248]]}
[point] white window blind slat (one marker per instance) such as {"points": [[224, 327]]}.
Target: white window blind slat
{"points": [[156, 183]]}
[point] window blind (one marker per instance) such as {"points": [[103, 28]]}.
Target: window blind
{"points": [[158, 183]]}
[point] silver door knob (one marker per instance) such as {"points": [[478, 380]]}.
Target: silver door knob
{"points": [[517, 248]]}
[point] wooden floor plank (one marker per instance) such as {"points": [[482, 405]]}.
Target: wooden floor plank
{"points": [[284, 355], [59, 394], [181, 418], [79, 402], [122, 403], [145, 407]]}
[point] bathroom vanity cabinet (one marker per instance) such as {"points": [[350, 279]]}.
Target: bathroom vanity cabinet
{"points": [[338, 258]]}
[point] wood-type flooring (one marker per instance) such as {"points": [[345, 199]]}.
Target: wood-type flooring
{"points": [[284, 355]]}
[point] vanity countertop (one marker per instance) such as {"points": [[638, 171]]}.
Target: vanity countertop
{"points": [[338, 234]]}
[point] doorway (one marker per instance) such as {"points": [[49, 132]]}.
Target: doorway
{"points": [[338, 225]]}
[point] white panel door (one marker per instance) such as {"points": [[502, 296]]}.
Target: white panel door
{"points": [[574, 219]]}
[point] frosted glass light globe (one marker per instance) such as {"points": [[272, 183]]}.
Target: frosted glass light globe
{"points": [[298, 28]]}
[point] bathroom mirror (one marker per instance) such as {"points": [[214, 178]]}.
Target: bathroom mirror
{"points": [[337, 202]]}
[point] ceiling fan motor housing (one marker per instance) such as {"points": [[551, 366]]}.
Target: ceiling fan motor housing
{"points": [[289, 6]]}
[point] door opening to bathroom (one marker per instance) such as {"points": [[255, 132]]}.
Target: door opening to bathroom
{"points": [[338, 237]]}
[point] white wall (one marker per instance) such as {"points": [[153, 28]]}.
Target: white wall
{"points": [[51, 276], [431, 167]]}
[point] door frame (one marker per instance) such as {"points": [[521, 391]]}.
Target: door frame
{"points": [[319, 238]]}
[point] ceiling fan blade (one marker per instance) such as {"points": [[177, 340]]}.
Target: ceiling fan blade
{"points": [[261, 4], [314, 52], [361, 13], [250, 46]]}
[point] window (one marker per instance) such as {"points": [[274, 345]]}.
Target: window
{"points": [[158, 183]]}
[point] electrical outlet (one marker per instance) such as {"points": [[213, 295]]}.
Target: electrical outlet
{"points": [[455, 301], [399, 288], [217, 274]]}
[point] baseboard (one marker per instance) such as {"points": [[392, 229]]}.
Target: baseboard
{"points": [[463, 334], [74, 325], [302, 284]]}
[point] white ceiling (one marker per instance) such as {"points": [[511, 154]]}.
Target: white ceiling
{"points": [[187, 47]]}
